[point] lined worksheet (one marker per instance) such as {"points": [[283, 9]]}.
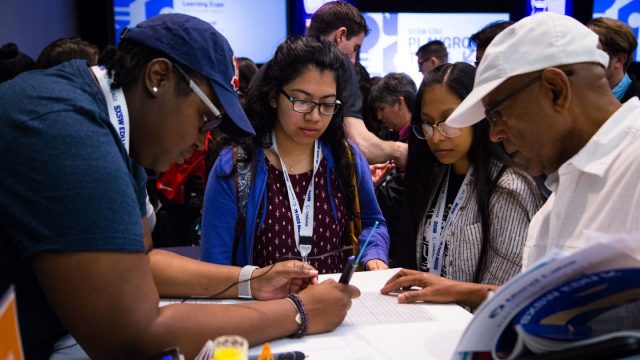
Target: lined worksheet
{"points": [[373, 308]]}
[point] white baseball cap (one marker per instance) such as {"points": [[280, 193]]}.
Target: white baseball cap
{"points": [[533, 43]]}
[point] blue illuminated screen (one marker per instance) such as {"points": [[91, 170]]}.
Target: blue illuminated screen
{"points": [[627, 11], [562, 7], [395, 37], [254, 28]]}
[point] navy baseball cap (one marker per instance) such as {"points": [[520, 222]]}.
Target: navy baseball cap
{"points": [[196, 44]]}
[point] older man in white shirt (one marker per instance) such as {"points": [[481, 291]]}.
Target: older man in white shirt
{"points": [[542, 86], [549, 103]]}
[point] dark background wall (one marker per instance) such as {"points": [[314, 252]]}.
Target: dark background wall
{"points": [[34, 23]]}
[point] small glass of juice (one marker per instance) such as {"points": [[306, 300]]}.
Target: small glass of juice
{"points": [[230, 347]]}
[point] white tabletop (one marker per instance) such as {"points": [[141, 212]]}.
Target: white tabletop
{"points": [[377, 327]]}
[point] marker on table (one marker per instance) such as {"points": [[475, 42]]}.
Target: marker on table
{"points": [[289, 355], [352, 263]]}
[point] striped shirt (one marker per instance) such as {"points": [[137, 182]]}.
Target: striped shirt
{"points": [[511, 207]]}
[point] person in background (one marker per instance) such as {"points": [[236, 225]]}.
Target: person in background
{"points": [[378, 128], [344, 25], [80, 256], [13, 62], [619, 41], [431, 55], [65, 49], [392, 98], [247, 70], [474, 209], [483, 38], [299, 162]]}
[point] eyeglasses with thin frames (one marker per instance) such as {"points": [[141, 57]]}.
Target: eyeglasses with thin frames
{"points": [[425, 131], [493, 114], [307, 106], [208, 123]]}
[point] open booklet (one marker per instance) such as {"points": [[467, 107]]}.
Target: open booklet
{"points": [[558, 303]]}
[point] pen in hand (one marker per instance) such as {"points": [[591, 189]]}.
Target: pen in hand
{"points": [[352, 263]]}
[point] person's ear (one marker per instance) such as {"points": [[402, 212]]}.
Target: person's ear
{"points": [[558, 88], [157, 74], [341, 34], [401, 103], [618, 60]]}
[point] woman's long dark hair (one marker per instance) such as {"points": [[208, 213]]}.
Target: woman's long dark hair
{"points": [[294, 56], [420, 176]]}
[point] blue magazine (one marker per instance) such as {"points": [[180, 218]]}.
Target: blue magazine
{"points": [[564, 312]]}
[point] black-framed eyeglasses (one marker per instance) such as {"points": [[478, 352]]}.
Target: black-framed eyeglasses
{"points": [[493, 114], [307, 106], [208, 122], [425, 131]]}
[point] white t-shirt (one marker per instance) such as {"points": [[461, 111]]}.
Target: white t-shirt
{"points": [[597, 189]]}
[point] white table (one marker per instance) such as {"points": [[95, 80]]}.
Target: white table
{"points": [[432, 334]]}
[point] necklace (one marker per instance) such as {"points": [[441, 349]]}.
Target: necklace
{"points": [[293, 166]]}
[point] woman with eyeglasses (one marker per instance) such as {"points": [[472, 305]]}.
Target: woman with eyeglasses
{"points": [[466, 212], [291, 191]]}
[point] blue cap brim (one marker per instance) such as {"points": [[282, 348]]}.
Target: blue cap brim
{"points": [[235, 122]]}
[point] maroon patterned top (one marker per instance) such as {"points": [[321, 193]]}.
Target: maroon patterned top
{"points": [[275, 238]]}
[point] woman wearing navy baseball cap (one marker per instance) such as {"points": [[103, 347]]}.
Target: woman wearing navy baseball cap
{"points": [[72, 242]]}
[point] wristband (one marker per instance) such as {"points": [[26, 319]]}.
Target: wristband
{"points": [[301, 317], [244, 282]]}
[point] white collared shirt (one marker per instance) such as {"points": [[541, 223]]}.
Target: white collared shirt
{"points": [[597, 189]]}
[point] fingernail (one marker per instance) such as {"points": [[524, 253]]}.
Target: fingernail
{"points": [[402, 298]]}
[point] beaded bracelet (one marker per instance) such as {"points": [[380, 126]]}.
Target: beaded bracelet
{"points": [[304, 324]]}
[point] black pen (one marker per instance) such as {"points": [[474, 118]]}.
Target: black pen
{"points": [[352, 263], [289, 355], [348, 270]]}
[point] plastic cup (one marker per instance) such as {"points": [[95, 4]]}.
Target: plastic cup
{"points": [[230, 347]]}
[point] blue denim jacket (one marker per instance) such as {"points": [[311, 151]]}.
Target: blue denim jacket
{"points": [[220, 211]]}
